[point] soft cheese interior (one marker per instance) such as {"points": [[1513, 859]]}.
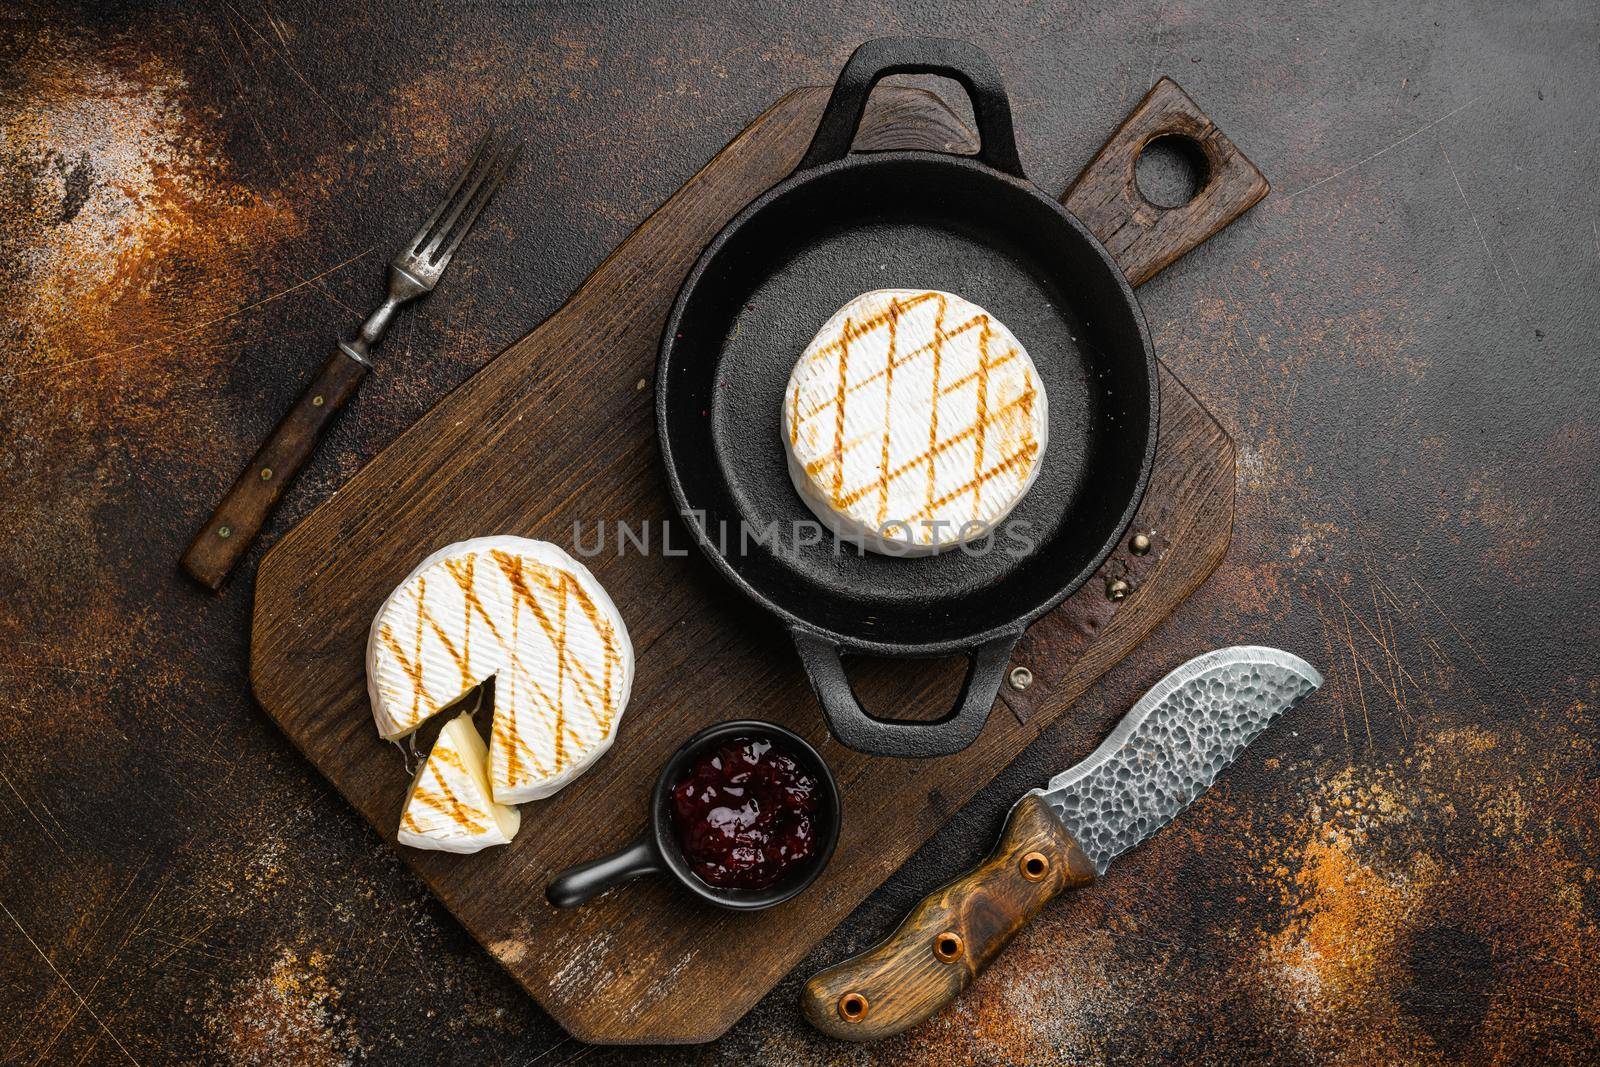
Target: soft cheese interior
{"points": [[915, 421], [533, 618], [449, 807]]}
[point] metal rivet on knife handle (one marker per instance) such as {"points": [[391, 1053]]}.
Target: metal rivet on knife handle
{"points": [[1021, 678], [224, 532], [1117, 589], [1140, 544], [266, 474], [318, 401], [1035, 865], [910, 975], [852, 1007]]}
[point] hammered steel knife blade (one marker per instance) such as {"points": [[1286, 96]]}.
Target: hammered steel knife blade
{"points": [[1163, 754], [413, 272]]}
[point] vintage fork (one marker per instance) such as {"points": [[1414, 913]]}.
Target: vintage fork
{"points": [[415, 271]]}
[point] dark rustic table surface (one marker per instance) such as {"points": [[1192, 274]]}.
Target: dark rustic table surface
{"points": [[1401, 340]]}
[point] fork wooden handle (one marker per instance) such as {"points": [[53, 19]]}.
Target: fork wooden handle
{"points": [[217, 548]]}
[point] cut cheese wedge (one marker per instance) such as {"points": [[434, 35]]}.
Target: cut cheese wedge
{"points": [[449, 807], [914, 422], [535, 620]]}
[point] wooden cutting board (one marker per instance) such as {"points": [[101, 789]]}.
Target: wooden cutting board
{"points": [[558, 429]]}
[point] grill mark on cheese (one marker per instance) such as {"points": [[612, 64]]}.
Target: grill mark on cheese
{"points": [[983, 416], [794, 412], [412, 668], [613, 655], [462, 659], [445, 802], [934, 347], [933, 404], [838, 402], [419, 693], [509, 738], [1024, 402], [522, 579], [888, 407], [467, 816], [518, 576], [463, 571], [561, 677], [866, 326], [965, 379], [1023, 455]]}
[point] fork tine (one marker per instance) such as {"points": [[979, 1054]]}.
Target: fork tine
{"points": [[459, 205], [415, 245], [490, 187]]}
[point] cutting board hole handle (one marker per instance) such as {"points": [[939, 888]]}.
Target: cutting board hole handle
{"points": [[1171, 170], [1125, 195]]}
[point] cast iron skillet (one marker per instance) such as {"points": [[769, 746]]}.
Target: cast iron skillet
{"points": [[845, 224]]}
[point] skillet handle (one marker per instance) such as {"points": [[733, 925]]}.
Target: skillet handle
{"points": [[1143, 237], [857, 728], [875, 60]]}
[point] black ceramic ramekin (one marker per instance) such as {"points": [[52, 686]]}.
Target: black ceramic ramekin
{"points": [[658, 850]]}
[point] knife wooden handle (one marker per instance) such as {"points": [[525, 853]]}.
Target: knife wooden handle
{"points": [[217, 548], [951, 935]]}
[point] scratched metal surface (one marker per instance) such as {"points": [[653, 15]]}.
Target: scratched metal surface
{"points": [[1400, 340]]}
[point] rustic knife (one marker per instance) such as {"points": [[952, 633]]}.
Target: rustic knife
{"points": [[412, 273], [1165, 752]]}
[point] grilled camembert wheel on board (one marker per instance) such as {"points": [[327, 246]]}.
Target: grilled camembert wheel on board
{"points": [[535, 620], [914, 422], [449, 807]]}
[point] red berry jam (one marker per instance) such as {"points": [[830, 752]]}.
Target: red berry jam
{"points": [[744, 814]]}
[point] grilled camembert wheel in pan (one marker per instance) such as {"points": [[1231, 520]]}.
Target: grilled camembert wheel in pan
{"points": [[914, 422], [528, 615]]}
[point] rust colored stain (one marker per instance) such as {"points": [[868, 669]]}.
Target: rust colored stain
{"points": [[129, 245], [132, 232], [1435, 906], [289, 1015]]}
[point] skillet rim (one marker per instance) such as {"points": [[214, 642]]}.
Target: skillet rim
{"points": [[691, 283]]}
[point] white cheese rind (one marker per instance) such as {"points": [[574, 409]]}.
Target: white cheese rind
{"points": [[533, 618], [914, 407], [449, 807]]}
